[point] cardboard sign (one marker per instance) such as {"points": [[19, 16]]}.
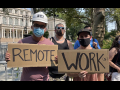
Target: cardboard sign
{"points": [[92, 61], [32, 55]]}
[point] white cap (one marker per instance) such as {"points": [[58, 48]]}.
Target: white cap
{"points": [[40, 16]]}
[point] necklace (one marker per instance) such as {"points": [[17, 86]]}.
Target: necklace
{"points": [[59, 40]]}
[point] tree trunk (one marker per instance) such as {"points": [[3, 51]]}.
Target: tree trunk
{"points": [[118, 24], [98, 25]]}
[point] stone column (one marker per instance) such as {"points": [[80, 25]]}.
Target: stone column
{"points": [[10, 32], [22, 33], [16, 33], [27, 31], [7, 33], [2, 33]]}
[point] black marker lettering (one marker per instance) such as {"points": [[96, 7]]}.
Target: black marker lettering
{"points": [[46, 53], [98, 61], [87, 65], [13, 51], [92, 59], [25, 54], [69, 67], [51, 54], [42, 55], [33, 53]]}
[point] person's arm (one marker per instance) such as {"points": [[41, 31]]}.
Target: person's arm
{"points": [[70, 45], [98, 46], [112, 53]]}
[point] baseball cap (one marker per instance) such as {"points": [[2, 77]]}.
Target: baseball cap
{"points": [[85, 30], [41, 17]]}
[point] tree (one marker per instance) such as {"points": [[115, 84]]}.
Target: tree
{"points": [[99, 24]]}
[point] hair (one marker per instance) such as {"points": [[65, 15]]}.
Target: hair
{"points": [[58, 24], [115, 43], [86, 27]]}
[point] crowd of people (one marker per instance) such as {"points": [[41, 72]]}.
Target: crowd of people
{"points": [[84, 41]]}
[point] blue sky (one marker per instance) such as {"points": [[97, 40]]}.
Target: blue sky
{"points": [[110, 25]]}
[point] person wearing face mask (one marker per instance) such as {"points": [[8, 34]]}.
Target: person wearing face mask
{"points": [[84, 37], [93, 42], [39, 22], [114, 59], [63, 44]]}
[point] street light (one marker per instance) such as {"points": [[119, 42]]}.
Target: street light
{"points": [[54, 15], [26, 16]]}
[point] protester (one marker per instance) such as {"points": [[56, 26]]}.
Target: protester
{"points": [[93, 43], [114, 59], [84, 37], [39, 22], [63, 44]]}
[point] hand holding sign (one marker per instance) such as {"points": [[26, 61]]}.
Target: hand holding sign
{"points": [[82, 74], [7, 56], [56, 60]]}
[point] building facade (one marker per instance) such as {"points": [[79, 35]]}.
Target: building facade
{"points": [[12, 25]]}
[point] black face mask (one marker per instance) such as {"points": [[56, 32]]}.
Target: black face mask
{"points": [[59, 32], [84, 42]]}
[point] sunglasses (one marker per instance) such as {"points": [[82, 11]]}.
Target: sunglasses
{"points": [[37, 25], [60, 28]]}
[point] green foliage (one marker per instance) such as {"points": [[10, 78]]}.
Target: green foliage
{"points": [[107, 43], [108, 34], [46, 34], [109, 37]]}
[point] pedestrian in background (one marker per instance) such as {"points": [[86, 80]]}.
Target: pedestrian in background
{"points": [[63, 44], [93, 42], [114, 59]]}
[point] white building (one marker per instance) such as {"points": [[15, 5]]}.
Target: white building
{"points": [[12, 26]]}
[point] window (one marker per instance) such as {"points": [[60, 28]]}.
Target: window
{"points": [[4, 20], [10, 10], [21, 12], [16, 21], [10, 21], [21, 22], [16, 11]]}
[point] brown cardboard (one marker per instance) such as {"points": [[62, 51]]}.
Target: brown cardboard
{"points": [[84, 61], [24, 55]]}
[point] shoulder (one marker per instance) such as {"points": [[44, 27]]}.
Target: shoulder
{"points": [[77, 41], [48, 41], [96, 40], [26, 39], [113, 50], [69, 42]]}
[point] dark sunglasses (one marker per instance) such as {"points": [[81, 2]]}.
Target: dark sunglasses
{"points": [[60, 28], [37, 25]]}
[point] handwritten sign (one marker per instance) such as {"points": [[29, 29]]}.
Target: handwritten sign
{"points": [[32, 55], [92, 61]]}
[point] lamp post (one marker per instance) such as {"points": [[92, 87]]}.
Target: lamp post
{"points": [[25, 28], [54, 15]]}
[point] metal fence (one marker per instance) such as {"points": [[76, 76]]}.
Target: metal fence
{"points": [[7, 74]]}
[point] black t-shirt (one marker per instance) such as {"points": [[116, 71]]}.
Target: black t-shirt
{"points": [[54, 70], [116, 58]]}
